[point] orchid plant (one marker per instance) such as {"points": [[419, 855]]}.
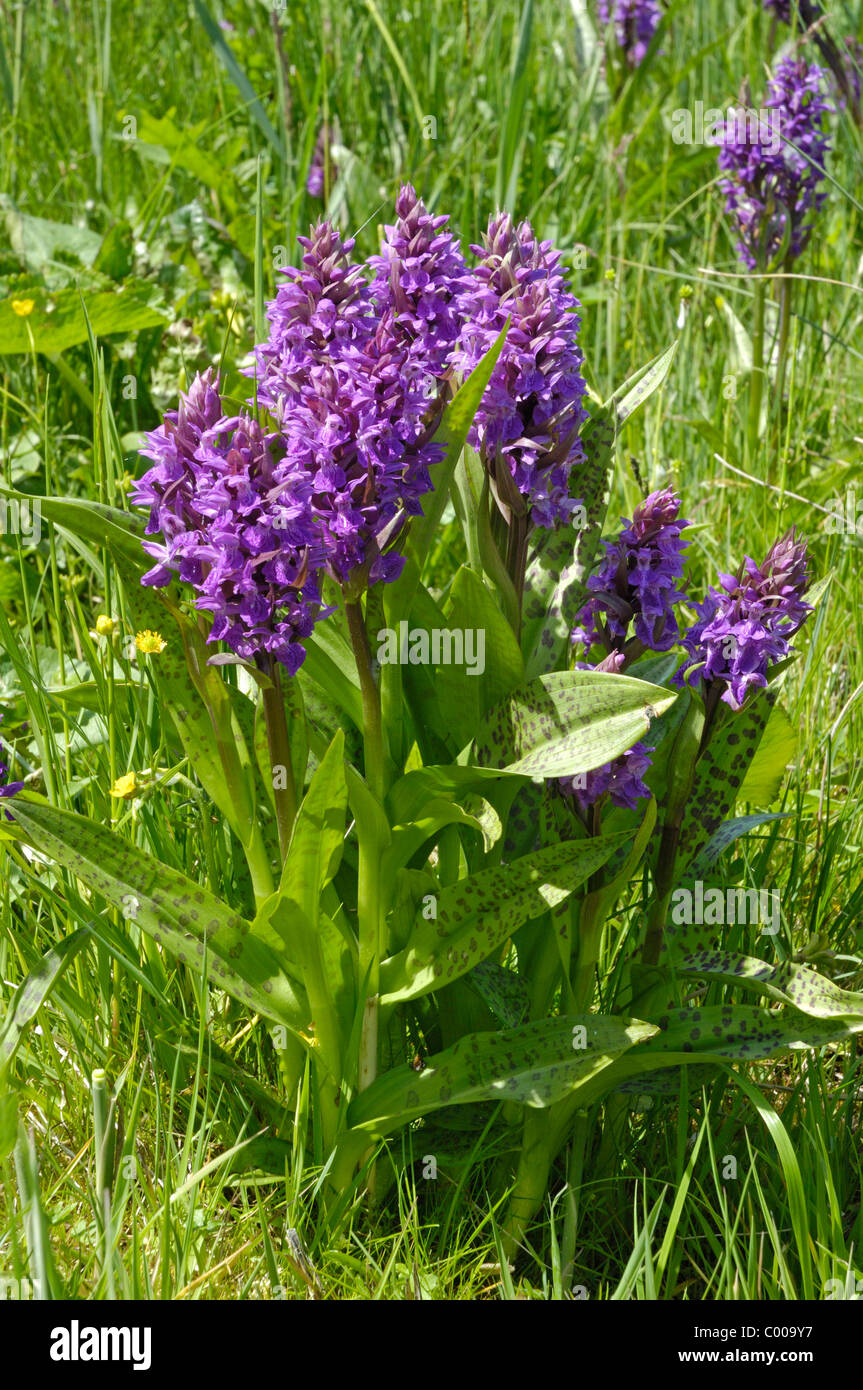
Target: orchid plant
{"points": [[464, 886]]}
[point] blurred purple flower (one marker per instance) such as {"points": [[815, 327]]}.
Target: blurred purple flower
{"points": [[636, 584], [746, 625], [635, 23], [773, 165], [527, 425], [315, 180]]}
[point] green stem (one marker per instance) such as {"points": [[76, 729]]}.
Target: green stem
{"points": [[279, 744], [785, 291], [756, 383], [369, 888]]}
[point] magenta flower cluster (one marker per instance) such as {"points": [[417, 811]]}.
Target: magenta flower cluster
{"points": [[636, 586], [746, 625], [527, 426], [354, 375], [773, 175]]}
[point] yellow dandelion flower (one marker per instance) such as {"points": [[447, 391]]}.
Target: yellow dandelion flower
{"points": [[150, 642], [23, 307], [105, 626], [125, 787]]}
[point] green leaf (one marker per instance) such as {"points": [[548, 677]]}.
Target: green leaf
{"points": [[535, 1064], [57, 320], [504, 991], [776, 749], [556, 578], [478, 914], [174, 910], [727, 833], [32, 993], [786, 981], [569, 722], [464, 694], [719, 775]]}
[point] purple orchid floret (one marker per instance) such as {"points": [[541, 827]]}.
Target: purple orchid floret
{"points": [[527, 425], [236, 523], [746, 625], [773, 166], [635, 23], [637, 583], [315, 178], [418, 276], [7, 788], [621, 780]]}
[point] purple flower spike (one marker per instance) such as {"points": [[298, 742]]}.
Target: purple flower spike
{"points": [[417, 276], [746, 626], [634, 23], [527, 426], [637, 581], [348, 385], [621, 779], [772, 188], [236, 523]]}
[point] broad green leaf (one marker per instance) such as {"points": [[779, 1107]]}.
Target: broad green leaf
{"points": [[465, 694], [57, 320], [408, 798], [178, 913], [722, 1033], [504, 991], [535, 1064], [479, 913], [786, 981], [569, 722], [719, 775], [776, 749]]}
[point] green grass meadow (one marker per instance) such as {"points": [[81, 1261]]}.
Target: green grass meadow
{"points": [[153, 164]]}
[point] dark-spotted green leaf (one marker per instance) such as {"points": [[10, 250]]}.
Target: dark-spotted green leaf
{"points": [[556, 577], [171, 908], [719, 775], [479, 913], [568, 722], [727, 833], [535, 1064], [786, 981], [776, 749]]}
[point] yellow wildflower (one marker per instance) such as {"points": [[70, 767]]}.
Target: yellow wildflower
{"points": [[150, 642], [125, 787], [23, 307], [105, 626]]}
